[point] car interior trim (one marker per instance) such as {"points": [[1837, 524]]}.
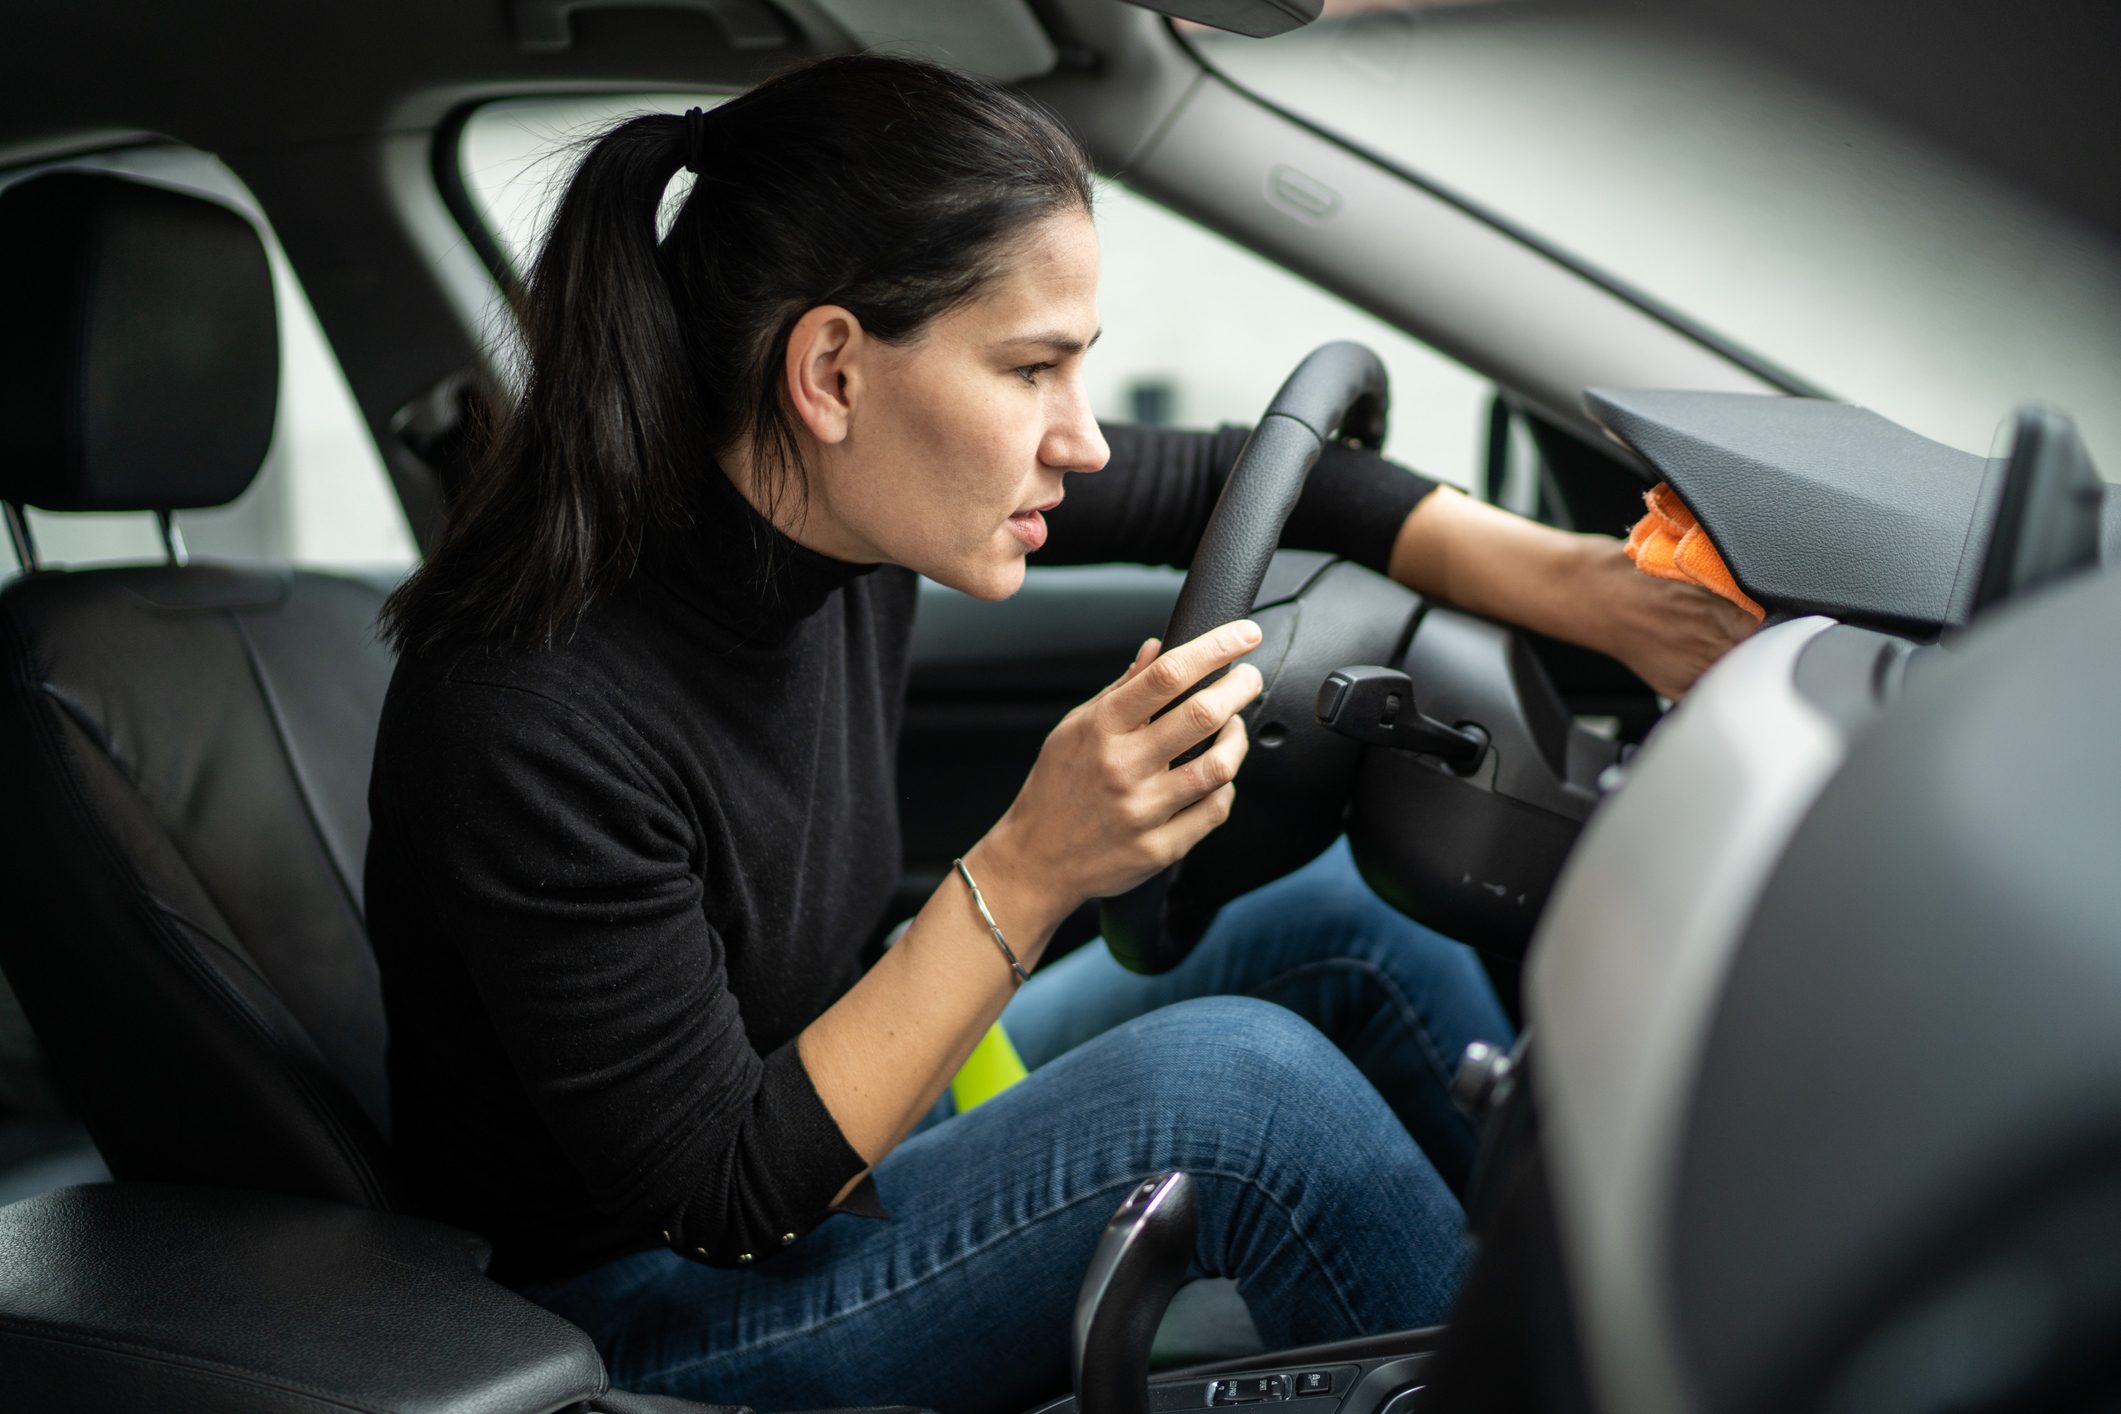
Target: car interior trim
{"points": [[998, 39], [1627, 966], [1767, 370], [1427, 265], [547, 26], [1928, 982]]}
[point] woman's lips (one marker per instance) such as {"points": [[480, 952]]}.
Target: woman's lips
{"points": [[1030, 527]]}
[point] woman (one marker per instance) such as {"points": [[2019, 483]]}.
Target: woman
{"points": [[633, 798]]}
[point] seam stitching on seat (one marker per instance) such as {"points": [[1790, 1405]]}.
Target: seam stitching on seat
{"points": [[194, 1364], [321, 1105], [282, 737], [152, 911], [90, 727]]}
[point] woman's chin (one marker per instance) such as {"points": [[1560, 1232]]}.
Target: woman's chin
{"points": [[991, 581]]}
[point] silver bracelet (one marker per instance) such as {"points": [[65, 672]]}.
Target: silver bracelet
{"points": [[979, 901]]}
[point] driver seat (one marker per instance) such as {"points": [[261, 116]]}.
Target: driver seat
{"points": [[187, 746]]}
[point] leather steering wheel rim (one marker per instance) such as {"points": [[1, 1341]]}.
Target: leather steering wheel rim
{"points": [[1339, 391]]}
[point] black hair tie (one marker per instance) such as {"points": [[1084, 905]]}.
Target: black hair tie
{"points": [[695, 139]]}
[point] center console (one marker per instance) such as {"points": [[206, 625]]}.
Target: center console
{"points": [[1373, 1375]]}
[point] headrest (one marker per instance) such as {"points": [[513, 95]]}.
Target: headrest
{"points": [[139, 347]]}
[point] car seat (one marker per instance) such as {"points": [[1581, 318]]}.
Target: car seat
{"points": [[186, 748], [188, 744]]}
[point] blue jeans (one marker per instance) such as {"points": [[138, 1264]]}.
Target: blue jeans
{"points": [[1296, 1065]]}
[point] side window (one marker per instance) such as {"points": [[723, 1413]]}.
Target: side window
{"points": [[1201, 331], [517, 154], [1197, 330], [321, 497]]}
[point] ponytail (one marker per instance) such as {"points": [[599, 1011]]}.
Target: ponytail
{"points": [[598, 455], [888, 186]]}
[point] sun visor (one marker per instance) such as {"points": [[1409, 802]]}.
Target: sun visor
{"points": [[1257, 18], [998, 39]]}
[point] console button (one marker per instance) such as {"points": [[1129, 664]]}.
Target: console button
{"points": [[1314, 1382], [1251, 1389]]}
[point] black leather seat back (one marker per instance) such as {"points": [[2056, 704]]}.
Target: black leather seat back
{"points": [[186, 748]]}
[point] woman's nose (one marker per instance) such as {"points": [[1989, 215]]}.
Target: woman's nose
{"points": [[1075, 442]]}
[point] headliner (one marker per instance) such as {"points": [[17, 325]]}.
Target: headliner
{"points": [[232, 77]]}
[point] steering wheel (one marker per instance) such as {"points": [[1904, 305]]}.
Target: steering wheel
{"points": [[1338, 391]]}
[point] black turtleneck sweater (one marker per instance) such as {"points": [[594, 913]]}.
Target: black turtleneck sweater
{"points": [[610, 882]]}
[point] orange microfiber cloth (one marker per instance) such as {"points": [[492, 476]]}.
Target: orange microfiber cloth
{"points": [[1670, 543]]}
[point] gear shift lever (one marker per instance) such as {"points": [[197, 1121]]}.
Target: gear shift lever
{"points": [[1139, 1263]]}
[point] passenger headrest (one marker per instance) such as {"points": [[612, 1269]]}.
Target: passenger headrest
{"points": [[139, 347]]}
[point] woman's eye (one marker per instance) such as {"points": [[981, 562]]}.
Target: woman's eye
{"points": [[1030, 371]]}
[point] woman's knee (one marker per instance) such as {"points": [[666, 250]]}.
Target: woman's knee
{"points": [[1240, 1037], [1230, 1072]]}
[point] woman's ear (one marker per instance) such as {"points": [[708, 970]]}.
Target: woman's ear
{"points": [[822, 352]]}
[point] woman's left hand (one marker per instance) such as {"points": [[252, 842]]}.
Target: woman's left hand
{"points": [[1581, 589], [1667, 633]]}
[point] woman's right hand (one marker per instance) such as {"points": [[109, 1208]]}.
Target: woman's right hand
{"points": [[1102, 810]]}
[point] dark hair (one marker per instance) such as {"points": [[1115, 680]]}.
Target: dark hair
{"points": [[889, 186]]}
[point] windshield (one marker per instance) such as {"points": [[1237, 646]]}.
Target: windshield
{"points": [[1780, 218]]}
